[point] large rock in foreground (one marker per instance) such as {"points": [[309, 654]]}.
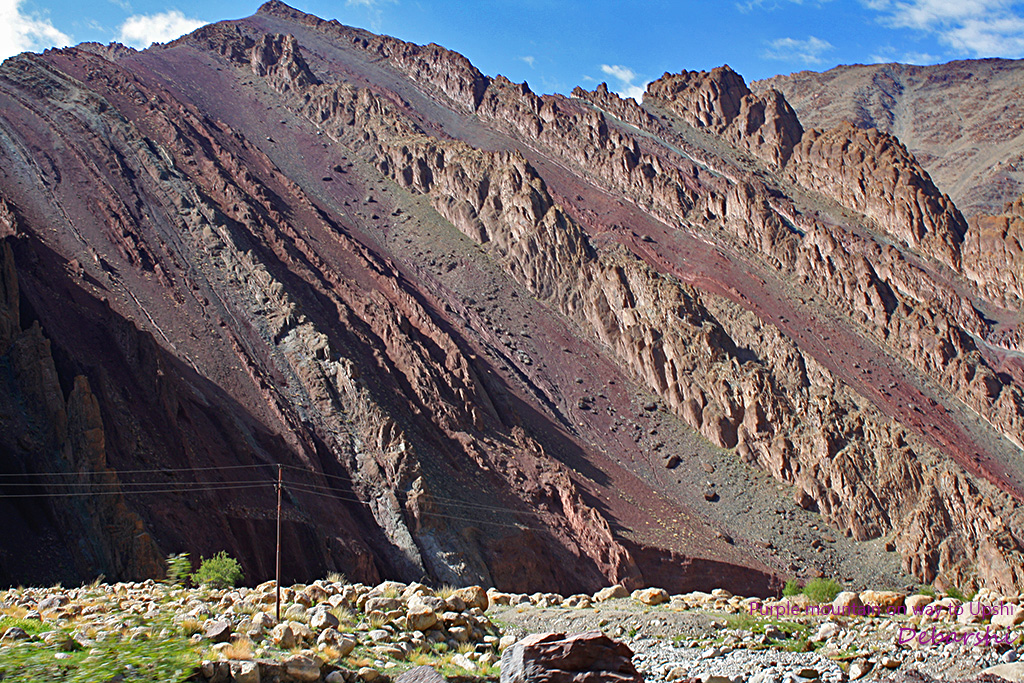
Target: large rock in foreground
{"points": [[559, 658]]}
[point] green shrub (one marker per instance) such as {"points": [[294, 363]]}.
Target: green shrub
{"points": [[954, 592], [821, 591], [927, 589], [219, 571], [178, 568], [792, 588]]}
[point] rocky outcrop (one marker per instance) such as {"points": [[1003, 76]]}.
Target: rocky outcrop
{"points": [[277, 57], [873, 173], [720, 102], [57, 447], [994, 255], [948, 115]]}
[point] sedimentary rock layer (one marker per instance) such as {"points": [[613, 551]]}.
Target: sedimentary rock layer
{"points": [[454, 308]]}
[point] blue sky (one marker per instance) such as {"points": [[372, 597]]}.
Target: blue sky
{"points": [[556, 45]]}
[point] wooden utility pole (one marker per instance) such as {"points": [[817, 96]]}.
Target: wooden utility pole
{"points": [[278, 579]]}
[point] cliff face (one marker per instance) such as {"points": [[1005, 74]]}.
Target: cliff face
{"points": [[505, 338]]}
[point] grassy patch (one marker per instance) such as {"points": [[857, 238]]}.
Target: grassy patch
{"points": [[29, 626], [167, 658]]}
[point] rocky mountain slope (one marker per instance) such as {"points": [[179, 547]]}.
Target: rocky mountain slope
{"points": [[963, 121], [541, 343]]}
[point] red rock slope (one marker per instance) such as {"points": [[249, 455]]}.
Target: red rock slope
{"points": [[544, 343]]}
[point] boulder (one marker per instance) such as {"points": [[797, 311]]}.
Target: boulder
{"points": [[1008, 616], [382, 605], [846, 600], [302, 669], [611, 593], [420, 674], [883, 599], [577, 658], [320, 619], [974, 612], [473, 596], [420, 618], [917, 602], [245, 672], [218, 630], [1012, 672], [651, 596], [284, 637]]}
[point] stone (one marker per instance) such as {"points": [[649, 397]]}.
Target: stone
{"points": [[420, 674], [459, 633], [455, 603], [675, 673], [383, 605], [295, 612], [335, 677], [651, 596], [917, 602], [245, 672], [420, 618], [827, 630], [611, 593], [462, 661], [860, 669], [473, 596], [429, 601], [217, 630], [15, 633], [846, 600], [321, 619], [882, 598], [561, 658], [1007, 616], [368, 674], [302, 669], [973, 613], [283, 636], [1013, 672], [890, 662]]}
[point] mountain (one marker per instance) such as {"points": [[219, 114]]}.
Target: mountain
{"points": [[483, 336], [963, 121]]}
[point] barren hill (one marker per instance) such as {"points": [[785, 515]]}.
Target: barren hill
{"points": [[542, 343]]}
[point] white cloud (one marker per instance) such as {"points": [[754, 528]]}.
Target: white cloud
{"points": [[771, 5], [529, 59], [141, 30], [20, 32], [889, 54], [981, 28], [792, 50], [626, 76]]}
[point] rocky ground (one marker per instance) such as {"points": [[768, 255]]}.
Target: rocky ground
{"points": [[341, 632]]}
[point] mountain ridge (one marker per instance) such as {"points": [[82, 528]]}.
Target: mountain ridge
{"points": [[449, 291]]}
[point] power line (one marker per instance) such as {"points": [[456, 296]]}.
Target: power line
{"points": [[432, 496], [128, 488], [121, 493], [347, 479], [155, 470], [425, 512], [123, 483]]}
